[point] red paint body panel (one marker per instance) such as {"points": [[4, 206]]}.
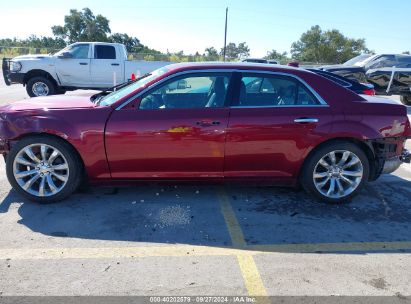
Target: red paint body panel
{"points": [[268, 142], [82, 127], [165, 144], [127, 144]]}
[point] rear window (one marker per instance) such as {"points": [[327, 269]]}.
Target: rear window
{"points": [[104, 52], [336, 80]]}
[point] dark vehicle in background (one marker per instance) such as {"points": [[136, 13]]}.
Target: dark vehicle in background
{"points": [[353, 85], [260, 60], [379, 71]]}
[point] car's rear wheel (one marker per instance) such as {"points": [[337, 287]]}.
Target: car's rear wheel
{"points": [[40, 86], [43, 169], [335, 172]]}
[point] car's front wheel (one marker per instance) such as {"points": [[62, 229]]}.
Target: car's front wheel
{"points": [[43, 169], [335, 172], [40, 86]]}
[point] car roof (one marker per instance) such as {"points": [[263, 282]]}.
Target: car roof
{"points": [[233, 66]]}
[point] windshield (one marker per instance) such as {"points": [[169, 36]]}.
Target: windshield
{"points": [[117, 95], [360, 60], [66, 49]]}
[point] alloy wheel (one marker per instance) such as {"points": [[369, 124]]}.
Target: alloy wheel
{"points": [[41, 170], [338, 174]]}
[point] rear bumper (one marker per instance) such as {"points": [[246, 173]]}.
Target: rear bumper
{"points": [[393, 163], [405, 157]]}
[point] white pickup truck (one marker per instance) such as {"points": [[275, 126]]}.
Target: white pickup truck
{"points": [[82, 65]]}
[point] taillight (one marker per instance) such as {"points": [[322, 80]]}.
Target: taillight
{"points": [[369, 92]]}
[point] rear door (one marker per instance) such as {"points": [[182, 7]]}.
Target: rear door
{"points": [[272, 124], [107, 66]]}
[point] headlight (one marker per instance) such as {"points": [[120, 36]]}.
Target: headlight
{"points": [[15, 66]]}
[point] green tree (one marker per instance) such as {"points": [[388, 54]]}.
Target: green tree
{"points": [[83, 26], [211, 54], [330, 46], [273, 54], [234, 52], [132, 43]]}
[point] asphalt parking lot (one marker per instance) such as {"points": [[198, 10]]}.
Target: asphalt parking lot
{"points": [[206, 240]]}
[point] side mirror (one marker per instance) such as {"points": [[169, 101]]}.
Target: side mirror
{"points": [[65, 55]]}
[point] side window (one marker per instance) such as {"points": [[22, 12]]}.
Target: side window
{"points": [[404, 62], [79, 51], [336, 80], [386, 61], [258, 85], [273, 91], [196, 91], [104, 52]]}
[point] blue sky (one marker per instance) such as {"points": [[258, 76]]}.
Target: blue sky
{"points": [[193, 25]]}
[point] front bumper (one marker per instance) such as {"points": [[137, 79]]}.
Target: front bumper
{"points": [[10, 77]]}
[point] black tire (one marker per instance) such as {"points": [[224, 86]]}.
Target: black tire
{"points": [[75, 167], [406, 99], [307, 174], [60, 91], [51, 87]]}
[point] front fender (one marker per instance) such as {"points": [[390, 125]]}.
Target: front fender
{"points": [[83, 130]]}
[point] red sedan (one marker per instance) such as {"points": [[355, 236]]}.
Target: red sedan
{"points": [[206, 122]]}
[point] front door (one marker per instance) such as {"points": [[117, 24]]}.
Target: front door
{"points": [[74, 70], [177, 129], [274, 122]]}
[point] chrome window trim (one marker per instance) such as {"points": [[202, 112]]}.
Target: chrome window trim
{"points": [[281, 106], [316, 95]]}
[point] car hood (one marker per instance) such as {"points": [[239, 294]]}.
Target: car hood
{"points": [[31, 57], [49, 103]]}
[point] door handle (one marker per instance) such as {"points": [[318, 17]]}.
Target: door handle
{"points": [[116, 64], [306, 120], [207, 123], [83, 63]]}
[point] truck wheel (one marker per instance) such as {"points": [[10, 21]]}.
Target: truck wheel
{"points": [[335, 172], [406, 99], [40, 86]]}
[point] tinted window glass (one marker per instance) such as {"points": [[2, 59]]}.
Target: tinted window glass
{"points": [[385, 61], [257, 91], [404, 62], [199, 91], [79, 51], [336, 80], [258, 85], [105, 52]]}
